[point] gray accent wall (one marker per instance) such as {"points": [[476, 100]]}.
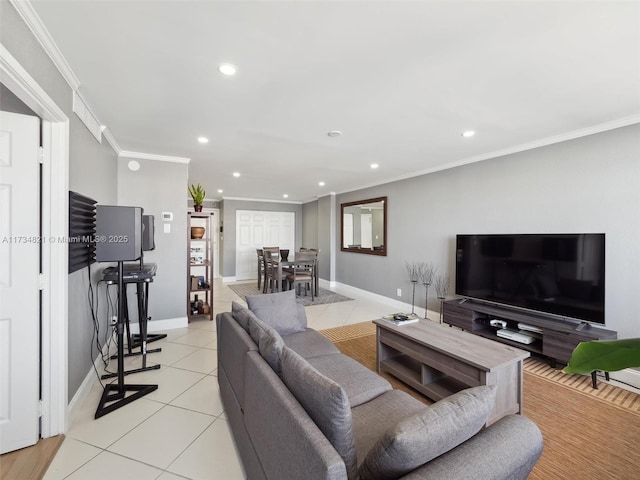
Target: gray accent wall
{"points": [[325, 207], [161, 187], [10, 103], [228, 236], [310, 224], [92, 172], [587, 185]]}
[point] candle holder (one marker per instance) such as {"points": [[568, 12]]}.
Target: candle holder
{"points": [[442, 287], [426, 277], [414, 270]]}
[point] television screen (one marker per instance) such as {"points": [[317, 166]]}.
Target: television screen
{"points": [[558, 274]]}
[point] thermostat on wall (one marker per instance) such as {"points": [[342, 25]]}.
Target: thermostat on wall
{"points": [[167, 216]]}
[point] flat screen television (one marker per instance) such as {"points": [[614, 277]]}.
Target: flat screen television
{"points": [[562, 275]]}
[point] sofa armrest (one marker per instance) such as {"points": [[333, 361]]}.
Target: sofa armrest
{"points": [[507, 450]]}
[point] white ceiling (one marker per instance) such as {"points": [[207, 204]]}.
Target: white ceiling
{"points": [[401, 80]]}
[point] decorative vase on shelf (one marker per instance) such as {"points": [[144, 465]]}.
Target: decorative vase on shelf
{"points": [[197, 232], [197, 208]]}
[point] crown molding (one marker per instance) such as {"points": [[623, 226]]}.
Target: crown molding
{"points": [[584, 132], [153, 156], [86, 115], [31, 18], [262, 200], [111, 139]]}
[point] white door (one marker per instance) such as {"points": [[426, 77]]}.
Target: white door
{"points": [[19, 297], [256, 229]]}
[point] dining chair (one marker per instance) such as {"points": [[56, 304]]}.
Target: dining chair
{"points": [[260, 266], [269, 274], [303, 273]]}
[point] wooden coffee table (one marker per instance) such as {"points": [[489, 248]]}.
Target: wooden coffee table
{"points": [[438, 361]]}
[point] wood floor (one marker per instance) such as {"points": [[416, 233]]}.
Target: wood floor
{"points": [[29, 463]]}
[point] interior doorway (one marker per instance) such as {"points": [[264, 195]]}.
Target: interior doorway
{"points": [[53, 282], [256, 229]]}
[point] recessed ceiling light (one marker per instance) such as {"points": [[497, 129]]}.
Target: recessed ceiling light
{"points": [[322, 184], [374, 165], [220, 190], [203, 140], [334, 133], [236, 174], [468, 133], [227, 69], [285, 195]]}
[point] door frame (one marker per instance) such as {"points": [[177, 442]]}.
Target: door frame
{"points": [[55, 219]]}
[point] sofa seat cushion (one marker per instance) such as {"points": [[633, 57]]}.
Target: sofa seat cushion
{"points": [[279, 310], [372, 419], [427, 434], [325, 401], [309, 344], [360, 383]]}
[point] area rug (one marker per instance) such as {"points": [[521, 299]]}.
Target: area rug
{"points": [[324, 297], [587, 434]]}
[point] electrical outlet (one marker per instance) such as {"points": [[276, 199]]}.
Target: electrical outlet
{"points": [[399, 292]]}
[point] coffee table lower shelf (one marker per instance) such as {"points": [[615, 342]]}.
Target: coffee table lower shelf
{"points": [[427, 381]]}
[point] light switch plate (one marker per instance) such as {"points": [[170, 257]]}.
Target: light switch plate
{"points": [[167, 227]]}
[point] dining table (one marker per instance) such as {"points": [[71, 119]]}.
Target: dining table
{"points": [[280, 264]]}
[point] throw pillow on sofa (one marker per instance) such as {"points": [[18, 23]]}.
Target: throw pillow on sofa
{"points": [[325, 401], [269, 342], [420, 438], [279, 310], [242, 315]]}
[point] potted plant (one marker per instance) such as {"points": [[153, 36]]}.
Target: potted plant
{"points": [[198, 194], [604, 355]]}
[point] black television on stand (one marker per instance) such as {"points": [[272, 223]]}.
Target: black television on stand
{"points": [[561, 276]]}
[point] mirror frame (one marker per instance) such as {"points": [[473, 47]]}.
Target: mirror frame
{"points": [[367, 251]]}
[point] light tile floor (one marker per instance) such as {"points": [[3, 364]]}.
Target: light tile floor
{"points": [[178, 431]]}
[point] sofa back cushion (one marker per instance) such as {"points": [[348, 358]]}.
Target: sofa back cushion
{"points": [[269, 342], [425, 435], [326, 403], [279, 310]]}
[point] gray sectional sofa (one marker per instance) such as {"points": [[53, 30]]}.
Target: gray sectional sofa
{"points": [[299, 409]]}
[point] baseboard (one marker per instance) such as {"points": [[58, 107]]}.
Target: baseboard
{"points": [[228, 279], [85, 387], [394, 305], [157, 325], [628, 376]]}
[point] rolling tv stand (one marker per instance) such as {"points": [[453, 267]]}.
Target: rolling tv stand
{"points": [[556, 339]]}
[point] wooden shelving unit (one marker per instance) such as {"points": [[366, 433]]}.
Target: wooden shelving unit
{"points": [[200, 266]]}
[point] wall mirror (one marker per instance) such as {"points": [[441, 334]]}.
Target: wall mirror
{"points": [[364, 226]]}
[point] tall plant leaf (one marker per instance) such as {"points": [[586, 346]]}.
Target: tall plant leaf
{"points": [[605, 355]]}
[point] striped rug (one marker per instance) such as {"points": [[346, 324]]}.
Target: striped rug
{"points": [[619, 397]]}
